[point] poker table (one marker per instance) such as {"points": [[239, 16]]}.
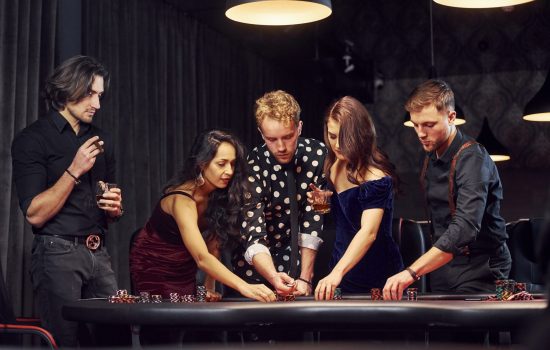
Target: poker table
{"points": [[353, 312]]}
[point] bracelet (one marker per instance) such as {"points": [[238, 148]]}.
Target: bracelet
{"points": [[413, 274], [76, 179], [304, 280]]}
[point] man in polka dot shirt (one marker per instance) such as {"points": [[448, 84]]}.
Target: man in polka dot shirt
{"points": [[266, 227]]}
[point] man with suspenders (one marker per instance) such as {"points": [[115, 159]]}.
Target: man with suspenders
{"points": [[463, 194]]}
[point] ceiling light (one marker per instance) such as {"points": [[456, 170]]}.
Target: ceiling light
{"points": [[278, 12], [478, 4], [538, 109]]}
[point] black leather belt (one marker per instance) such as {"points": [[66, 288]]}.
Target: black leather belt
{"points": [[91, 241]]}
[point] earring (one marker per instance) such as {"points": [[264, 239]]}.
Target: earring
{"points": [[199, 181]]}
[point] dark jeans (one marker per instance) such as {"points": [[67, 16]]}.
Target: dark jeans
{"points": [[474, 273], [61, 272]]}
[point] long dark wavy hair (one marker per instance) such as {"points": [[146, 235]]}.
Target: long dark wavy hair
{"points": [[357, 142], [222, 214], [72, 80]]}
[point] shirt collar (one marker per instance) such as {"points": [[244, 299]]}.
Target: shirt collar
{"points": [[61, 123], [451, 150]]}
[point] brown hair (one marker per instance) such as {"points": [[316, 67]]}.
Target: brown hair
{"points": [[278, 105], [431, 92], [72, 80], [357, 140]]}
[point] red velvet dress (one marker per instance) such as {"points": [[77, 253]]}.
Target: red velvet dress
{"points": [[159, 261]]}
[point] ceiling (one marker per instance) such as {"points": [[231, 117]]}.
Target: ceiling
{"points": [[390, 39]]}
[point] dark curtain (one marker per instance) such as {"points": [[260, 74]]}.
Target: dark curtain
{"points": [[171, 78], [27, 37]]}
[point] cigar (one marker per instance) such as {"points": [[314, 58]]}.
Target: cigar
{"points": [[99, 146]]}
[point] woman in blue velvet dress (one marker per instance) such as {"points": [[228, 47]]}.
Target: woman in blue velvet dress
{"points": [[363, 182]]}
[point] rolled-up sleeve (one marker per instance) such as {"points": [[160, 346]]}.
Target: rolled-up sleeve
{"points": [[29, 168]]}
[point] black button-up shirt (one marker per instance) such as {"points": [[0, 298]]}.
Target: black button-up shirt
{"points": [[41, 152], [478, 193]]}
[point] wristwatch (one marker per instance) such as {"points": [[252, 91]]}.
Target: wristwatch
{"points": [[414, 275]]}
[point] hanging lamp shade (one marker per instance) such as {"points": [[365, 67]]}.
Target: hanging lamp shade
{"points": [[459, 120], [278, 12], [496, 150], [538, 109], [479, 4]]}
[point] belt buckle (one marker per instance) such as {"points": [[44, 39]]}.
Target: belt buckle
{"points": [[93, 242]]}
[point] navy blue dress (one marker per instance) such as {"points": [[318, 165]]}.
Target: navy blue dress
{"points": [[383, 258]]}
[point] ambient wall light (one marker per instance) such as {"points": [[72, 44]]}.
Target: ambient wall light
{"points": [[538, 109], [277, 12], [479, 4], [496, 150]]}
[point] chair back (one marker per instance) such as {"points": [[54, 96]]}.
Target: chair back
{"points": [[524, 236], [413, 243]]}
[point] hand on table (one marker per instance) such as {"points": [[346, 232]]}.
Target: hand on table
{"points": [[396, 284], [302, 288], [283, 283], [213, 295], [259, 292], [326, 286]]}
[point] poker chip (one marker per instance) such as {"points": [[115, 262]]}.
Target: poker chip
{"points": [[337, 294], [287, 297], [174, 297], [121, 293], [412, 294], [156, 298], [187, 298], [144, 297], [201, 294], [376, 294]]}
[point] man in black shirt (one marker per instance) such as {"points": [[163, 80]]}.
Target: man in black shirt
{"points": [[464, 192], [281, 171], [57, 162]]}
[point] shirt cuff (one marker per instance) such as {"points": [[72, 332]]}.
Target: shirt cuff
{"points": [[308, 241], [253, 250]]}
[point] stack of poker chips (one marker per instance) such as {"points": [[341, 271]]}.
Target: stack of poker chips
{"points": [[144, 297], [287, 297], [174, 297], [520, 287], [521, 296], [187, 298], [505, 289], [201, 294], [375, 294], [412, 293], [156, 298], [499, 288], [122, 296], [337, 294]]}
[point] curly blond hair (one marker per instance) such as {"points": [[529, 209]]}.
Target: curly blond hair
{"points": [[278, 105]]}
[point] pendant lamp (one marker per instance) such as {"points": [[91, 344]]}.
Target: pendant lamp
{"points": [[496, 150], [277, 12], [460, 117], [479, 4], [538, 109]]}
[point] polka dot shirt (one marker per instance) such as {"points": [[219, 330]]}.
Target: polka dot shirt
{"points": [[266, 225]]}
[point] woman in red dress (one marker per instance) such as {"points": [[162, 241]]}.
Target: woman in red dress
{"points": [[196, 216]]}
